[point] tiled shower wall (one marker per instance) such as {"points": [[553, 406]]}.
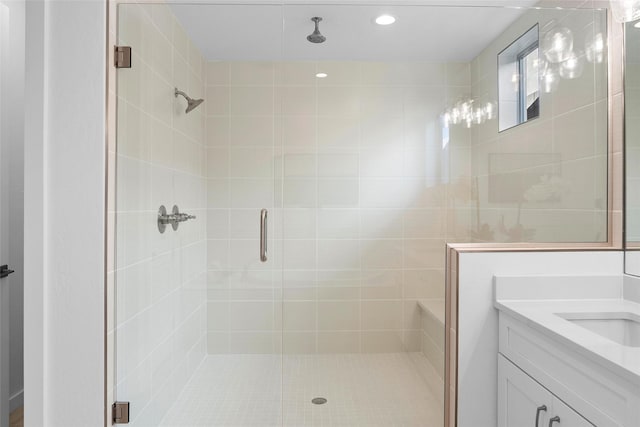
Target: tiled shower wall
{"points": [[159, 278], [545, 180], [361, 188]]}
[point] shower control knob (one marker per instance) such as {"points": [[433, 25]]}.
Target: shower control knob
{"points": [[182, 217], [174, 218]]}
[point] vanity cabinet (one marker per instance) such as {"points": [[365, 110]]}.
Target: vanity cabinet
{"points": [[536, 369], [523, 402]]}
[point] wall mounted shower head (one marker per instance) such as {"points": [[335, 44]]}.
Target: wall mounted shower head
{"points": [[316, 36], [192, 104]]}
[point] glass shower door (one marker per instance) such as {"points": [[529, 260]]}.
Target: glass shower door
{"points": [[364, 197], [198, 312]]}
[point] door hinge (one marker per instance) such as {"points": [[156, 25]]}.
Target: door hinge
{"points": [[122, 56], [120, 413], [4, 271]]}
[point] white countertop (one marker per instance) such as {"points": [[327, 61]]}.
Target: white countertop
{"points": [[541, 315]]}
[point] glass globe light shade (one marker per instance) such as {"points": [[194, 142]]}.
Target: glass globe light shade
{"points": [[489, 111], [594, 48], [549, 79], [446, 119], [557, 44], [625, 10], [572, 67], [455, 115]]}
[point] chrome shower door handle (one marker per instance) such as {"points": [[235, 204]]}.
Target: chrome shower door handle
{"points": [[554, 420], [263, 235], [540, 409]]}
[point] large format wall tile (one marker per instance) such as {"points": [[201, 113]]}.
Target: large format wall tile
{"points": [[160, 279], [353, 171]]}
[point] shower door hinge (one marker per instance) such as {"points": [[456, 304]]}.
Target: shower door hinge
{"points": [[122, 56], [120, 413]]}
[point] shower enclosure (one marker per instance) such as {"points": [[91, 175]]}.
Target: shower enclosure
{"points": [[280, 247]]}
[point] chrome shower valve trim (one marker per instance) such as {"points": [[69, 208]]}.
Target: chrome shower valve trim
{"points": [[174, 218]]}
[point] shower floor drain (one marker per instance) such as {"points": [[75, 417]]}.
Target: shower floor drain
{"points": [[319, 401]]}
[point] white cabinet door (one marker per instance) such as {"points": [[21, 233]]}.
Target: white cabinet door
{"points": [[523, 402], [520, 398], [568, 417]]}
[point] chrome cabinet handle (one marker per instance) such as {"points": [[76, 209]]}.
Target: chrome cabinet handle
{"points": [[555, 419], [542, 408], [263, 235]]}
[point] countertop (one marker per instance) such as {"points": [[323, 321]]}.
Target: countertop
{"points": [[541, 315]]}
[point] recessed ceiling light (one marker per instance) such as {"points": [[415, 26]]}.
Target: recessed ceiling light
{"points": [[637, 24], [321, 75], [385, 20]]}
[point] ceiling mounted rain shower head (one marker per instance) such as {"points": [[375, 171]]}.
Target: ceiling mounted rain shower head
{"points": [[316, 36], [192, 104]]}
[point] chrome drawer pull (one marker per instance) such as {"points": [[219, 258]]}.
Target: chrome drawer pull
{"points": [[542, 408]]}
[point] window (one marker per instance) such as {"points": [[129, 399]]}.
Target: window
{"points": [[518, 85]]}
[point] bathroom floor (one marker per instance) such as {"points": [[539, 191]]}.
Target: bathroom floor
{"points": [[389, 389], [16, 418]]}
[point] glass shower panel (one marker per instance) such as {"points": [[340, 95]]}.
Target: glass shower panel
{"points": [[390, 149], [546, 180], [197, 310], [366, 172]]}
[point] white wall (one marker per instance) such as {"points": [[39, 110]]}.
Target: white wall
{"points": [[12, 157], [4, 219], [65, 212], [478, 319], [13, 100]]}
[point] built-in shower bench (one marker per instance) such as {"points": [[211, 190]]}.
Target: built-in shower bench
{"points": [[432, 337]]}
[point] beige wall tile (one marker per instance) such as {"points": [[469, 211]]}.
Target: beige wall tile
{"points": [[382, 342], [338, 315], [339, 342]]}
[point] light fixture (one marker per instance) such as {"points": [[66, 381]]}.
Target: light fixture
{"points": [[464, 113], [557, 44], [385, 20], [321, 75], [549, 78], [594, 48], [572, 67], [625, 10]]}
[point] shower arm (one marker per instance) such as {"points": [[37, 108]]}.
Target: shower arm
{"points": [[179, 92]]}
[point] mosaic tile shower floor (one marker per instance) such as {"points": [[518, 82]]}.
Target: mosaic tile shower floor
{"points": [[266, 390]]}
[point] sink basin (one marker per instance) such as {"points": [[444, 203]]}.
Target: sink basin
{"points": [[622, 328]]}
